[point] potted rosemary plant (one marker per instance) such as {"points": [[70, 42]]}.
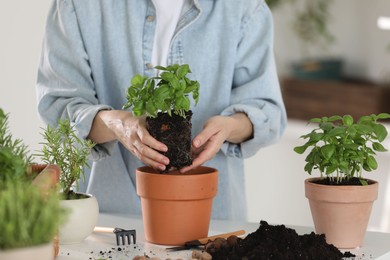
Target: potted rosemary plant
{"points": [[29, 206], [341, 199], [164, 100], [62, 147]]}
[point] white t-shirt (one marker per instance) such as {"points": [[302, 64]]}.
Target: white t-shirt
{"points": [[167, 15]]}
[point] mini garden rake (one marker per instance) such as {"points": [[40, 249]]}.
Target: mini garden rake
{"points": [[120, 233]]}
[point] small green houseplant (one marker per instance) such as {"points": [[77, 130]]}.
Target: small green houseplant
{"points": [[63, 148], [14, 154], [311, 26], [341, 200], [165, 101], [341, 149], [29, 214], [310, 22], [28, 217]]}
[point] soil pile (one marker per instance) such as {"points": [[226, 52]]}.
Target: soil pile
{"points": [[275, 242]]}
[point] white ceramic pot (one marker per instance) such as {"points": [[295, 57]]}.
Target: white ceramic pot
{"points": [[42, 252], [82, 219]]}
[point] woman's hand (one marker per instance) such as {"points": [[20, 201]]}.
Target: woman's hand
{"points": [[131, 131], [218, 129]]}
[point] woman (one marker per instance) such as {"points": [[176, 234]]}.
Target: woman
{"points": [[91, 50]]}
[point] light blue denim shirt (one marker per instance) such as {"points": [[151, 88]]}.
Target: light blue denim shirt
{"points": [[92, 48]]}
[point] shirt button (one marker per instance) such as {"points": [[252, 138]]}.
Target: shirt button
{"points": [[149, 65], [150, 18]]}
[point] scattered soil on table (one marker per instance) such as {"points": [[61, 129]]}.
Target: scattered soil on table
{"points": [[175, 132], [275, 242]]}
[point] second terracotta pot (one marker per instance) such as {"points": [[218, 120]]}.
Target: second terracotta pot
{"points": [[176, 207], [341, 212]]}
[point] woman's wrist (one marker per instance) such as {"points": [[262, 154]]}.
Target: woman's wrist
{"points": [[241, 128], [100, 132]]}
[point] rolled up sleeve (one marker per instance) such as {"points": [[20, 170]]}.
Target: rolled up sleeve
{"points": [[256, 89], [65, 86]]}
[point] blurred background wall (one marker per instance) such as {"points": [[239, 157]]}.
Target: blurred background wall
{"points": [[275, 175]]}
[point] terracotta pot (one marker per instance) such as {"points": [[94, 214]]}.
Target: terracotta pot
{"points": [[176, 207], [41, 252], [341, 212], [48, 177], [82, 219]]}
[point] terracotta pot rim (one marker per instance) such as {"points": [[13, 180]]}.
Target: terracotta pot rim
{"points": [[311, 179], [347, 193], [196, 171]]}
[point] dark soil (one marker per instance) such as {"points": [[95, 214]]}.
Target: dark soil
{"points": [[175, 132], [275, 242], [348, 182], [71, 195]]}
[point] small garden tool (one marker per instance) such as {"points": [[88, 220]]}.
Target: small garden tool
{"points": [[120, 233]]}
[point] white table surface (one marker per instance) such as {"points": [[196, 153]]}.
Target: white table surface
{"points": [[103, 245]]}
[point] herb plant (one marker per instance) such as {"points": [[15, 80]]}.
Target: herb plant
{"points": [[342, 148], [28, 216], [14, 156], [311, 24], [63, 148], [165, 93]]}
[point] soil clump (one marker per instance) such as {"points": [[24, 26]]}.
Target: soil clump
{"points": [[175, 132]]}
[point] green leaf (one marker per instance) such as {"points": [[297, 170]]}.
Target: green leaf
{"points": [[182, 71], [139, 108], [182, 103], [380, 132], [328, 150], [300, 149], [331, 169], [337, 131], [175, 84], [347, 120], [315, 120], [191, 88], [383, 116], [160, 67], [372, 163], [162, 92], [334, 118], [150, 108], [308, 167], [314, 137], [326, 126], [138, 81], [378, 147], [167, 76]]}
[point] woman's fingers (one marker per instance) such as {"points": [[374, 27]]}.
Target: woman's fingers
{"points": [[149, 156]]}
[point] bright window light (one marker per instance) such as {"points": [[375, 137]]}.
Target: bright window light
{"points": [[384, 23]]}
